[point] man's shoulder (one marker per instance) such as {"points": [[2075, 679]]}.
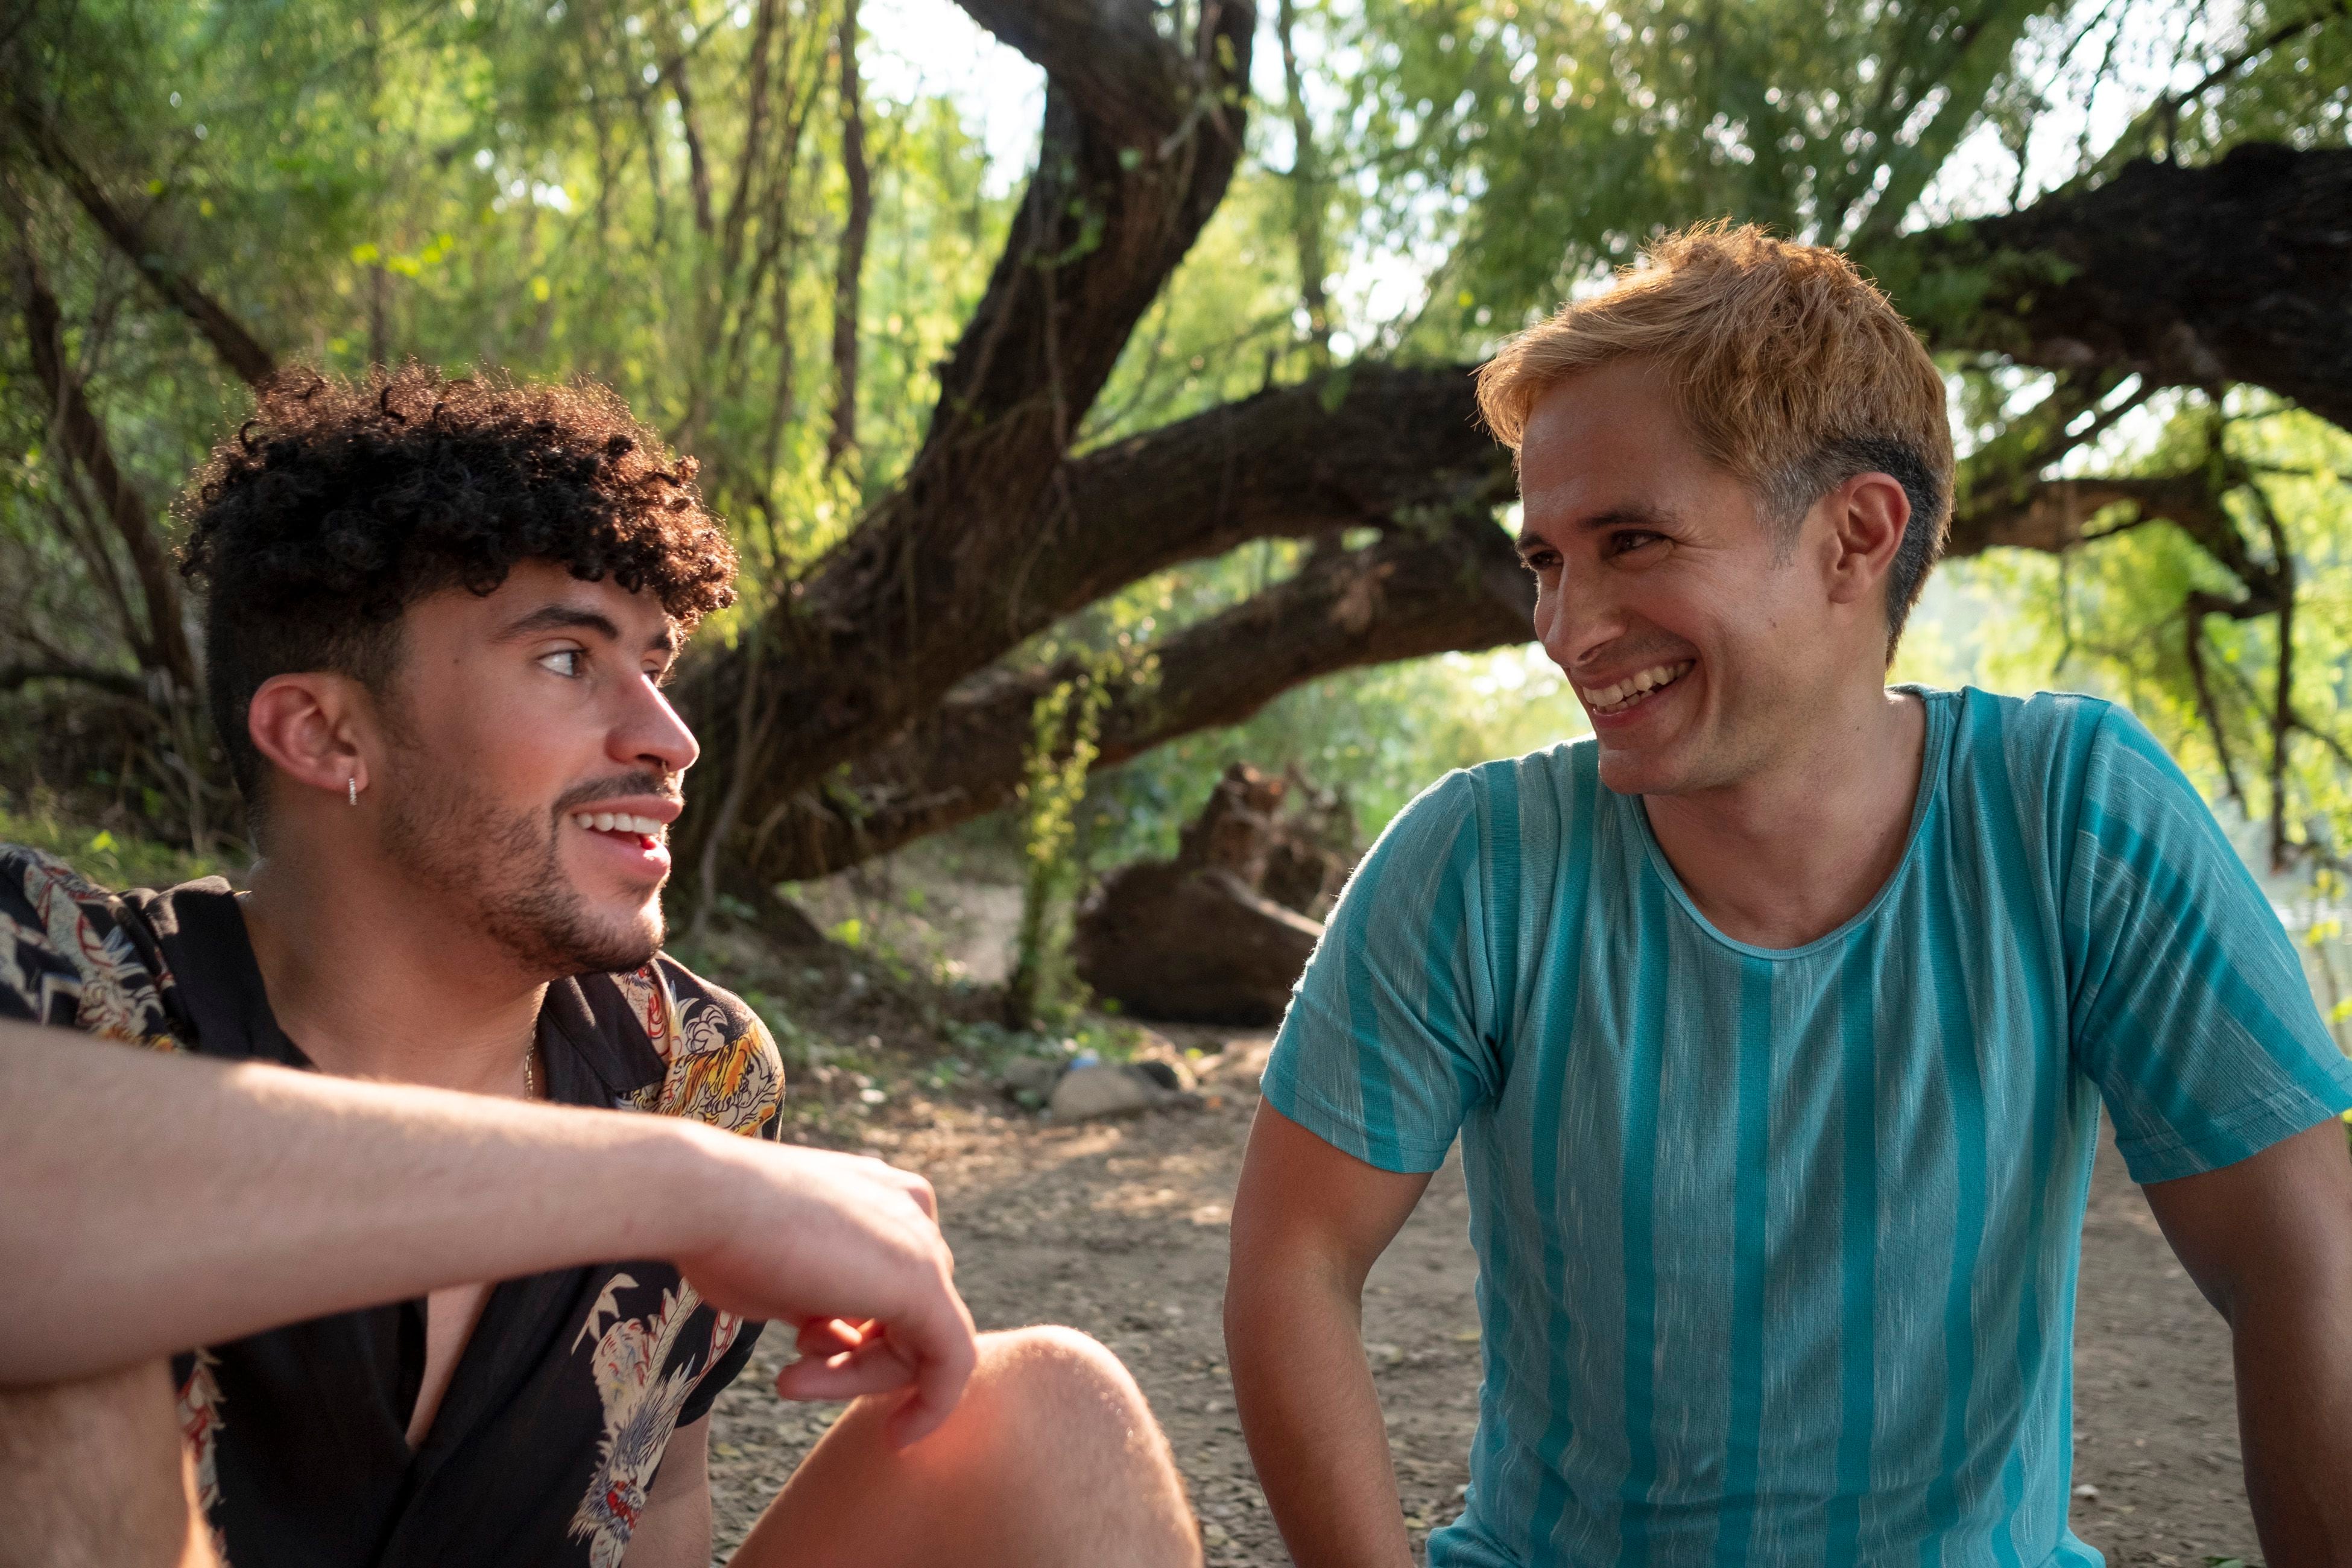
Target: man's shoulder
{"points": [[2087, 747], [721, 1065], [34, 875], [1508, 796], [2039, 750], [1559, 768], [2040, 720], [76, 955]]}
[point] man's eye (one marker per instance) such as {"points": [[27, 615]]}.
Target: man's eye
{"points": [[1539, 560], [563, 661], [1632, 538]]}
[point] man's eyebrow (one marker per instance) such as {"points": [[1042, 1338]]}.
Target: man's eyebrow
{"points": [[567, 617], [1615, 517], [561, 618]]}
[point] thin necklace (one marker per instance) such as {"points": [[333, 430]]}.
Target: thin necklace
{"points": [[529, 1080]]}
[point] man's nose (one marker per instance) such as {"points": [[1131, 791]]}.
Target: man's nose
{"points": [[1576, 620], [651, 734]]}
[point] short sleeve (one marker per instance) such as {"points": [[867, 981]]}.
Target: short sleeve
{"points": [[723, 1373], [1384, 1050], [2190, 1007], [74, 956]]}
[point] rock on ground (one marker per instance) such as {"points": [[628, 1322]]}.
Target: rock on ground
{"points": [[1108, 1089]]}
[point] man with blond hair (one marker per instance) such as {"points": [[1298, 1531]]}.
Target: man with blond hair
{"points": [[1774, 1017]]}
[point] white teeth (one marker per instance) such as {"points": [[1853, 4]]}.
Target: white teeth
{"points": [[1608, 697], [617, 822]]}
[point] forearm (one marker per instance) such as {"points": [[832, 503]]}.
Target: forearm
{"points": [[2294, 1357], [1312, 1416], [156, 1203]]}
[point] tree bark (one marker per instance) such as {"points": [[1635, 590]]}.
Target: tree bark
{"points": [[850, 265], [2238, 271], [1141, 137], [1421, 589], [1140, 143]]}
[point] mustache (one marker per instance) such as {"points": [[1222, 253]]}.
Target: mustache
{"points": [[636, 783]]}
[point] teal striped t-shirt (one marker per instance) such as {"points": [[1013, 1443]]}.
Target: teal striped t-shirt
{"points": [[1777, 1247]]}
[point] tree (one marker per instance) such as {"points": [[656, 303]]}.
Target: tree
{"points": [[1091, 422]]}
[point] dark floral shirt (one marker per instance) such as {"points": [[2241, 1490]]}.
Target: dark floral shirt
{"points": [[549, 1436]]}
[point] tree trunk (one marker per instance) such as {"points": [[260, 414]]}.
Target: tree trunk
{"points": [[851, 264]]}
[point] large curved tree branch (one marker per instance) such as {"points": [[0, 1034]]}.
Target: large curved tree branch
{"points": [[1421, 590], [2055, 515], [2238, 272], [1141, 137]]}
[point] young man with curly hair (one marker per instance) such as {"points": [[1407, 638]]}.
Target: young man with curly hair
{"points": [[1775, 1018], [450, 1200]]}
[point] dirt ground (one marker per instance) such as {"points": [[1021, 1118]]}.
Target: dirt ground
{"points": [[1120, 1228]]}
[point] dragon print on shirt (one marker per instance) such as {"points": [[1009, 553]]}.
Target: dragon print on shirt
{"points": [[642, 1403], [727, 1078], [200, 1425]]}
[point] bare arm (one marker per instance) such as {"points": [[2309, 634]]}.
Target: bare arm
{"points": [[1308, 1223], [2269, 1241], [157, 1202], [673, 1531]]}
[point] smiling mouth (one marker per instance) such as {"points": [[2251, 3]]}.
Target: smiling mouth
{"points": [[1635, 689], [645, 832]]}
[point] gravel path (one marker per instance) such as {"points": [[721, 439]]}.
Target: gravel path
{"points": [[1120, 1230]]}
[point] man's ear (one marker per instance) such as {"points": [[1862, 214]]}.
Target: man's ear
{"points": [[1867, 515], [315, 727]]}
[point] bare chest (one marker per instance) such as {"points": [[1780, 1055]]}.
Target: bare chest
{"points": [[450, 1314]]}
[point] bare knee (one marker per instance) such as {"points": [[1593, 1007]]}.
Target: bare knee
{"points": [[92, 1473], [1050, 1362], [1051, 1459], [1070, 1416]]}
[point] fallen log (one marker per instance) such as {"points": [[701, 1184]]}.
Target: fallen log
{"points": [[1220, 934]]}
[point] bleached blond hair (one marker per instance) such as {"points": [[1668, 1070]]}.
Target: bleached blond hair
{"points": [[1792, 372]]}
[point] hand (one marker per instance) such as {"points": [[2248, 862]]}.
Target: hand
{"points": [[841, 1361], [849, 1250]]}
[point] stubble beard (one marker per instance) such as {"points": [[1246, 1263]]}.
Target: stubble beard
{"points": [[501, 871]]}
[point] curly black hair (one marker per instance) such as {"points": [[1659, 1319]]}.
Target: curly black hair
{"points": [[340, 504]]}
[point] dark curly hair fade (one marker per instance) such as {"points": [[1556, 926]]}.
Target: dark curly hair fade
{"points": [[340, 504]]}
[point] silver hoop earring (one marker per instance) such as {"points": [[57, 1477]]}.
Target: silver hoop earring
{"points": [[352, 789]]}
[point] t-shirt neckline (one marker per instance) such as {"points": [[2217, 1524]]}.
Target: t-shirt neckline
{"points": [[1933, 752]]}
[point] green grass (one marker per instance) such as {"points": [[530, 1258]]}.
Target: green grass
{"points": [[106, 858]]}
